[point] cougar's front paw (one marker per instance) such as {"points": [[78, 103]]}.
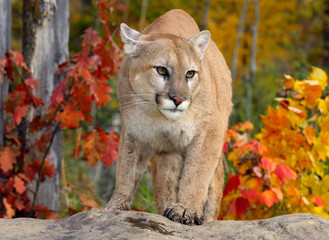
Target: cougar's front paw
{"points": [[179, 213], [117, 202]]}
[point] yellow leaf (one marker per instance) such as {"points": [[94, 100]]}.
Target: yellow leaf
{"points": [[322, 106], [293, 195], [319, 75]]}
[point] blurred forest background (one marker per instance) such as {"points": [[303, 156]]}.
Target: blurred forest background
{"points": [[261, 40]]}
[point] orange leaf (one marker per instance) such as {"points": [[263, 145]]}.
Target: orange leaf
{"points": [[283, 172], [243, 126], [70, 117], [288, 82], [111, 148], [94, 147], [312, 93], [267, 163], [19, 185], [10, 212], [7, 159], [87, 202], [309, 133], [319, 201], [269, 198]]}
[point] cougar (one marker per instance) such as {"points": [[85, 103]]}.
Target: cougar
{"points": [[174, 91]]}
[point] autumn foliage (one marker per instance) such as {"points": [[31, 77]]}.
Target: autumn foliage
{"points": [[285, 168], [25, 159]]}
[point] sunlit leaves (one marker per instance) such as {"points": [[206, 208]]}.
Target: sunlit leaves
{"points": [[290, 172]]}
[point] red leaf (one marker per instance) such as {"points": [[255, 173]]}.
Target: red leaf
{"points": [[241, 206], [269, 198], [257, 147], [48, 170], [283, 172], [57, 95], [111, 148], [85, 73], [19, 204], [9, 68], [32, 83], [319, 201], [41, 144], [100, 91], [32, 169], [20, 112], [233, 183], [19, 59], [19, 185], [43, 212], [225, 148], [7, 159]]}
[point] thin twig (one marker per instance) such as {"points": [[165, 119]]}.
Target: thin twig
{"points": [[41, 168]]}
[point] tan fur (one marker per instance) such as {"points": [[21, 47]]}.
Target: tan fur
{"points": [[187, 169]]}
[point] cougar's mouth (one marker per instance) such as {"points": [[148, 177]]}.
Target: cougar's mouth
{"points": [[169, 109]]}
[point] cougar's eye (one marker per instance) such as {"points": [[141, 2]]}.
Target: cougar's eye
{"points": [[162, 71], [190, 74]]}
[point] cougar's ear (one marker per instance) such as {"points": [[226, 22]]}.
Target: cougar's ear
{"points": [[130, 37], [200, 42]]}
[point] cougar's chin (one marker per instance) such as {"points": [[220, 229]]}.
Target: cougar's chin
{"points": [[171, 113]]}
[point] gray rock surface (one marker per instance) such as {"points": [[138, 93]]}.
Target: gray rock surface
{"points": [[99, 224]]}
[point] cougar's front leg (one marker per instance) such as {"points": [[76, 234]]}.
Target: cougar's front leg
{"points": [[200, 164], [166, 172], [132, 162]]}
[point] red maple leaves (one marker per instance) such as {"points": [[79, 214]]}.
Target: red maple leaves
{"points": [[22, 160]]}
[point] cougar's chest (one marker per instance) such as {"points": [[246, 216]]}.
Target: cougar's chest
{"points": [[163, 134]]}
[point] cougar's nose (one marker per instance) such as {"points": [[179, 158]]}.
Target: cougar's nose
{"points": [[178, 100]]}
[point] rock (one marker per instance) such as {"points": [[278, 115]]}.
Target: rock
{"points": [[98, 224]]}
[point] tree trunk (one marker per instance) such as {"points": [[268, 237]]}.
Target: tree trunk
{"points": [[238, 40], [205, 15], [254, 35], [142, 18], [5, 33], [45, 46]]}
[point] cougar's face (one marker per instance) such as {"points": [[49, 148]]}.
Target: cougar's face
{"points": [[169, 76], [164, 69]]}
